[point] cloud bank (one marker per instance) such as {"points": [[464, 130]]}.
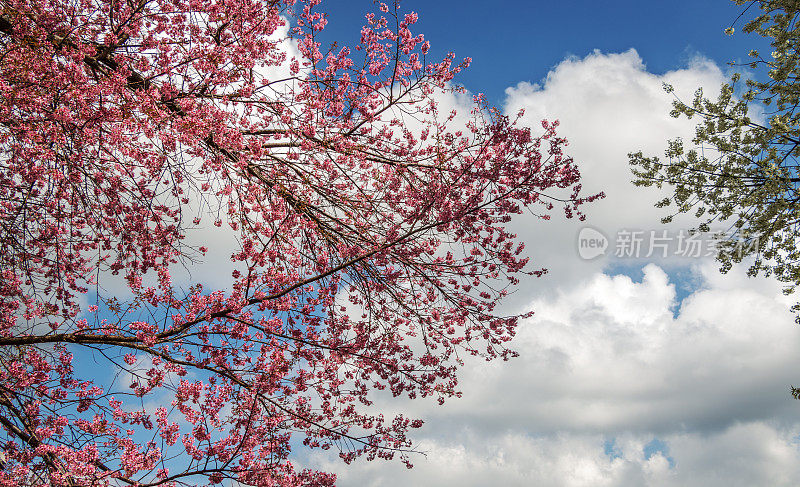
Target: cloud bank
{"points": [[632, 371]]}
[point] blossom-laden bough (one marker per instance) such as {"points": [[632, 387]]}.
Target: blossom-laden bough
{"points": [[127, 123]]}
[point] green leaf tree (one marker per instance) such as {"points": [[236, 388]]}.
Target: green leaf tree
{"points": [[742, 168]]}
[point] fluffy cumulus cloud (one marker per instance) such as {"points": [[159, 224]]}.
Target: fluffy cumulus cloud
{"points": [[608, 105], [619, 384], [744, 455], [671, 375]]}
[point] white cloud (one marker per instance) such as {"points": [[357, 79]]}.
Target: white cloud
{"points": [[608, 105], [743, 455], [608, 355], [606, 368], [618, 383]]}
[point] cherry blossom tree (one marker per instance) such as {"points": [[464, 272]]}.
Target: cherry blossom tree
{"points": [[373, 248]]}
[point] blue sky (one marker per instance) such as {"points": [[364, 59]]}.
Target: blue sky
{"points": [[512, 41]]}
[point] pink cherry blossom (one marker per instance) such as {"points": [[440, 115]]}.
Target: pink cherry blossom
{"points": [[372, 223]]}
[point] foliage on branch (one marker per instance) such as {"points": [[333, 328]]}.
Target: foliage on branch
{"points": [[743, 170]]}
